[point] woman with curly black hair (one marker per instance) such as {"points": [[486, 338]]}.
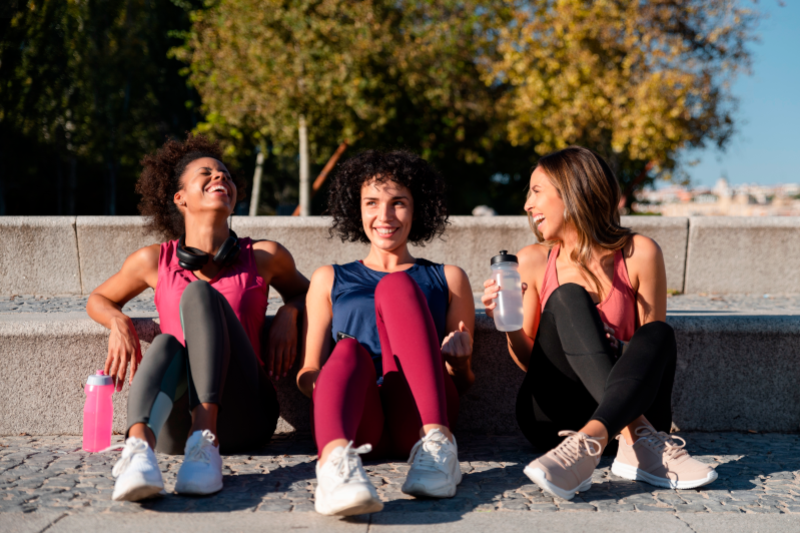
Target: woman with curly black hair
{"points": [[388, 338], [204, 376]]}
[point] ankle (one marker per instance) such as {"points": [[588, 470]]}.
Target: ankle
{"points": [[429, 427], [141, 431], [597, 430], [328, 448]]}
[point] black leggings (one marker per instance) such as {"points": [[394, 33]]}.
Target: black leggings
{"points": [[575, 376], [173, 379]]}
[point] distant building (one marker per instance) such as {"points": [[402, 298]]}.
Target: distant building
{"points": [[722, 200]]}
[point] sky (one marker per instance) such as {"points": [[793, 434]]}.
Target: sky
{"points": [[765, 149]]}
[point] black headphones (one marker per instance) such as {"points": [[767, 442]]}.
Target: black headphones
{"points": [[194, 259]]}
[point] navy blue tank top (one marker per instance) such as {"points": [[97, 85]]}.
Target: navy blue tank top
{"points": [[353, 301]]}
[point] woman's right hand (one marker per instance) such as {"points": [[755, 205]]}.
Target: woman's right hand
{"points": [[123, 349], [489, 298]]}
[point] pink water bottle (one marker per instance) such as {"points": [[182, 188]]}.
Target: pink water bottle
{"points": [[98, 412]]}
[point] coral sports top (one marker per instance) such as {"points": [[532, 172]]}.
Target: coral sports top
{"points": [[618, 310], [239, 283]]}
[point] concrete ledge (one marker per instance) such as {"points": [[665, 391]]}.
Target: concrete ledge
{"points": [[469, 242], [735, 372], [104, 243], [743, 254], [671, 234], [39, 255]]}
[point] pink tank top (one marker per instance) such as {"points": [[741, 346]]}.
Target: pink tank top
{"points": [[239, 283], [618, 310]]}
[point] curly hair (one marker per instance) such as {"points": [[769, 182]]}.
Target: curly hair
{"points": [[161, 179], [400, 166]]}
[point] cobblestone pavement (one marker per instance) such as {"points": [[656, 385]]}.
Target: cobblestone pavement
{"points": [[735, 303], [758, 473]]}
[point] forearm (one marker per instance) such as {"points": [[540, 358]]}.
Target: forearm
{"points": [[104, 311], [306, 378], [519, 347], [463, 377]]}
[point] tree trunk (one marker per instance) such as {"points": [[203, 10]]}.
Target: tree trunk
{"points": [[256, 194], [305, 189]]}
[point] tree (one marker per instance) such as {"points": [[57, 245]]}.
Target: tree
{"points": [[86, 88], [635, 81], [378, 73], [480, 88]]}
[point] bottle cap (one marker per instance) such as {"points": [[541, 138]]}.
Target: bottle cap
{"points": [[504, 257], [99, 378]]}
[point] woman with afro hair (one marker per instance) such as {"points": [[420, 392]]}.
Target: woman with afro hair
{"points": [[204, 376], [388, 338]]}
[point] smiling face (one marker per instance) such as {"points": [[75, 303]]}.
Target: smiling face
{"points": [[545, 206], [206, 186], [387, 211]]}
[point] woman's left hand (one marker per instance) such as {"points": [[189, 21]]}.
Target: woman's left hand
{"points": [[457, 348], [282, 343]]}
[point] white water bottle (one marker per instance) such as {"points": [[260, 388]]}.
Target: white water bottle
{"points": [[508, 313]]}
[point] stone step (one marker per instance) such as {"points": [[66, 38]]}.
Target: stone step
{"points": [[737, 370]]}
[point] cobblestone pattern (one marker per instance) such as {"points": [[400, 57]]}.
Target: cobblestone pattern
{"points": [[758, 473], [736, 303]]}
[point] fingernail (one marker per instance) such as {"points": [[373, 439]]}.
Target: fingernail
{"points": [[270, 373]]}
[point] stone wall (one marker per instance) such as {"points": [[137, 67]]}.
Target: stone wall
{"points": [[73, 255]]}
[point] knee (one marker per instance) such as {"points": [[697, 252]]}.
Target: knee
{"points": [[348, 351], [393, 284], [660, 334], [195, 292], [568, 296], [164, 345]]}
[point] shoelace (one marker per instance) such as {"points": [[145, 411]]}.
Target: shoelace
{"points": [[572, 449], [132, 447], [346, 464], [199, 452], [662, 442], [425, 453]]}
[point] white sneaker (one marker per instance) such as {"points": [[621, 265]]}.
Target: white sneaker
{"points": [[435, 471], [343, 487], [137, 473], [201, 471]]}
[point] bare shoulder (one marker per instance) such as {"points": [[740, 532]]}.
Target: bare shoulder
{"points": [[642, 250], [144, 259], [533, 256], [322, 278], [455, 274], [264, 245]]}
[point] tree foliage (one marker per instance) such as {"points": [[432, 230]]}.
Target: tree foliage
{"points": [[635, 81], [86, 89], [465, 81]]}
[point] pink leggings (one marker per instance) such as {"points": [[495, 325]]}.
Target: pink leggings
{"points": [[416, 390]]}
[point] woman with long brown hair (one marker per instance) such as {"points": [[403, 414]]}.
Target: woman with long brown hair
{"points": [[598, 354]]}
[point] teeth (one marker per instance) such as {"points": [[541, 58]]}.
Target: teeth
{"points": [[538, 219], [384, 231], [218, 188]]}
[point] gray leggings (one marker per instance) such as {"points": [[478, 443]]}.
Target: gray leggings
{"points": [[173, 379]]}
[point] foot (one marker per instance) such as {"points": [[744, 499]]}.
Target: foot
{"points": [[137, 473], [658, 459], [343, 487], [201, 471], [435, 471], [567, 468]]}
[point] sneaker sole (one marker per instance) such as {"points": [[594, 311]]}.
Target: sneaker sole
{"points": [[634, 474], [424, 492], [537, 476], [139, 491], [370, 505], [196, 491]]}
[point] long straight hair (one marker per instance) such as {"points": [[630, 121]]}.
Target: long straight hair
{"points": [[591, 196]]}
